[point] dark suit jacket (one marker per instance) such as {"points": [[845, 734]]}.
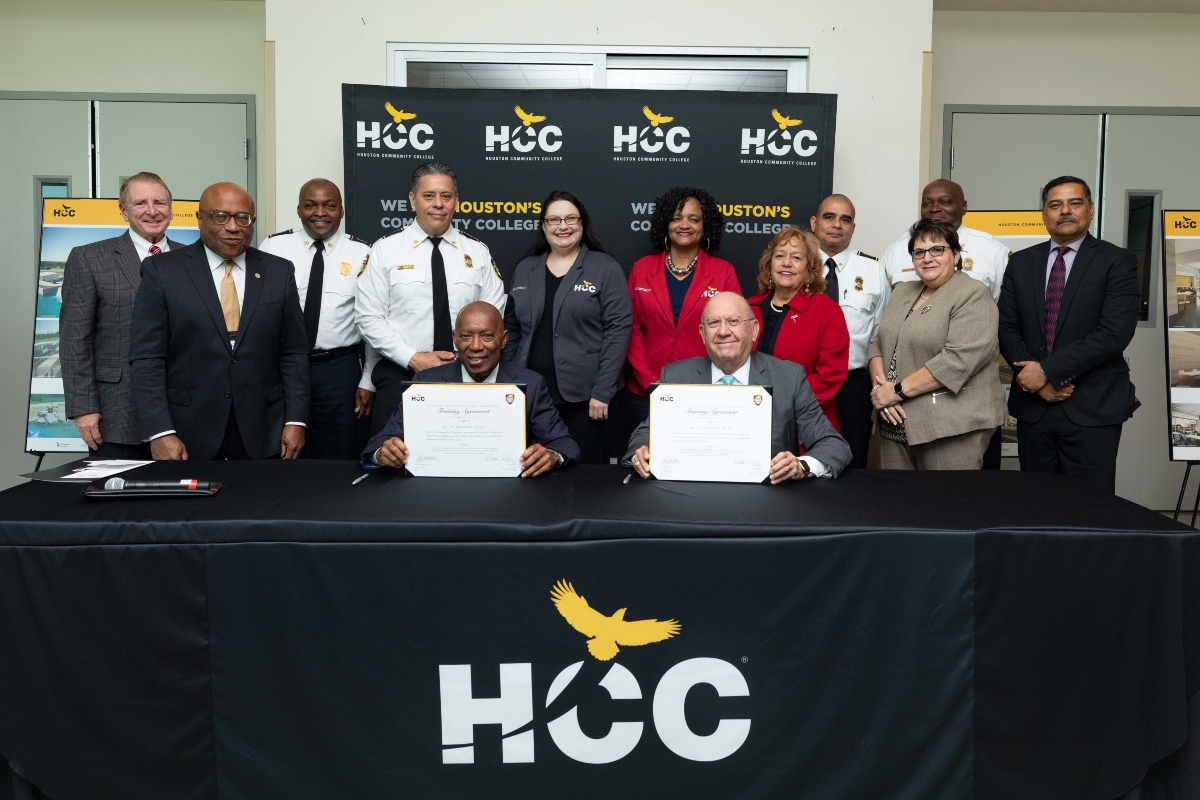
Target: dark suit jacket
{"points": [[1096, 322], [545, 426], [592, 322], [796, 416], [98, 288], [185, 374]]}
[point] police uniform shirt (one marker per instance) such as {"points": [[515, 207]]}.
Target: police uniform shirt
{"points": [[344, 258], [983, 258], [394, 307], [864, 290]]}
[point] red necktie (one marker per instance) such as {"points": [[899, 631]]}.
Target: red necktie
{"points": [[1054, 293], [155, 249]]}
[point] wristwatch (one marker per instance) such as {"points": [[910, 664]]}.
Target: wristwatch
{"points": [[559, 458], [899, 387]]}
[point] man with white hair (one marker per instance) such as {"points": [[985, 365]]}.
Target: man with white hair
{"points": [[797, 422]]}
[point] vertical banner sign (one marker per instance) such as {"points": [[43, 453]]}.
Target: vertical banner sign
{"points": [[1181, 284], [67, 224], [1016, 230], [767, 159]]}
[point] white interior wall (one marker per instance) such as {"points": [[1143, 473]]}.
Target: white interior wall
{"points": [[1076, 59], [868, 52]]}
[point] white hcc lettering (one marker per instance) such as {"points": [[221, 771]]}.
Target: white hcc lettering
{"points": [[548, 138], [394, 135], [513, 710], [787, 141], [651, 139]]}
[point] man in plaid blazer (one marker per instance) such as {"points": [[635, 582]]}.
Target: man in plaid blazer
{"points": [[99, 284]]}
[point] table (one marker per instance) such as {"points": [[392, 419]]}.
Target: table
{"points": [[887, 634]]}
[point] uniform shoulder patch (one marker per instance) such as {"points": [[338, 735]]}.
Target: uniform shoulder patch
{"points": [[360, 241], [472, 238], [363, 268], [385, 236], [496, 270], [281, 233], [867, 255]]}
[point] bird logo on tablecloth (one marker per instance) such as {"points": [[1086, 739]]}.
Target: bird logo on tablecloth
{"points": [[606, 635]]}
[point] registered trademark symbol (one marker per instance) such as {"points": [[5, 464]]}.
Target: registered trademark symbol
{"points": [[745, 659]]}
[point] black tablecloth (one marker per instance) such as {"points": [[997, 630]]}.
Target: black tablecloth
{"points": [[988, 635]]}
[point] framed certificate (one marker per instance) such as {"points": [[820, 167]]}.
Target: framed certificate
{"points": [[464, 430], [701, 432]]}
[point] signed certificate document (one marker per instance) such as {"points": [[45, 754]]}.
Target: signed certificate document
{"points": [[462, 430], [710, 433]]}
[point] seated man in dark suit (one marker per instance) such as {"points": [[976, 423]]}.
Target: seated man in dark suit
{"points": [[479, 336], [729, 330], [218, 352]]}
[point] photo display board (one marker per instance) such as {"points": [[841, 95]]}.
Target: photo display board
{"points": [[1181, 283], [67, 224], [1016, 230], [766, 158]]}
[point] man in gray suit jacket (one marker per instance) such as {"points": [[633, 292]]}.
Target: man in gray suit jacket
{"points": [[729, 330], [99, 284]]}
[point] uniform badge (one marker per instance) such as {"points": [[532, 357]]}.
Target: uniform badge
{"points": [[406, 266], [509, 398], [858, 283], [758, 399], [363, 268], [467, 262], [968, 264], [345, 268], [307, 243], [909, 269]]}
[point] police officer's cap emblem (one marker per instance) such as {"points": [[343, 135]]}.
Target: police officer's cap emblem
{"points": [[758, 399], [467, 262], [858, 283], [509, 398], [345, 268], [968, 264]]}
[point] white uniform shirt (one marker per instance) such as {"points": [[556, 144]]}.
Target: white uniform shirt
{"points": [[394, 307], [345, 258], [142, 246], [864, 290], [741, 377], [984, 259]]}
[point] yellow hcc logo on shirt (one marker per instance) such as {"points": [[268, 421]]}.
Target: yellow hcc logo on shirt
{"points": [[461, 711]]}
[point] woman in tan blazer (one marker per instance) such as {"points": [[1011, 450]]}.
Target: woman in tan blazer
{"points": [[933, 361]]}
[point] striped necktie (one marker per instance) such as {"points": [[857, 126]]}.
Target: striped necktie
{"points": [[1054, 293]]}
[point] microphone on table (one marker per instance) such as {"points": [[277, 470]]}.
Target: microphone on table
{"points": [[188, 484]]}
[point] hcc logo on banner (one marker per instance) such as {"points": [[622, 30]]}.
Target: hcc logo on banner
{"points": [[524, 137], [395, 135], [513, 709], [780, 141], [651, 138]]}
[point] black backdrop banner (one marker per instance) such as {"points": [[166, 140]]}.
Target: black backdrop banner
{"points": [[766, 157]]}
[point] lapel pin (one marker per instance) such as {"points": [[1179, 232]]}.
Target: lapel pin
{"points": [[257, 275]]}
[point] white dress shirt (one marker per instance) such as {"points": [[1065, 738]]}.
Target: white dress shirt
{"points": [[1068, 257], [491, 377], [741, 377], [143, 246], [864, 290], [394, 305], [345, 261], [983, 258]]}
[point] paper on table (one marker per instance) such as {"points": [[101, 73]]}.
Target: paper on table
{"points": [[700, 432], [464, 430], [102, 469]]}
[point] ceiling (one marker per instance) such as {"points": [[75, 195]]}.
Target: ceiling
{"points": [[1124, 6]]}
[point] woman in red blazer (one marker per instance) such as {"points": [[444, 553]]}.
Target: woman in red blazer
{"points": [[670, 287], [796, 320]]}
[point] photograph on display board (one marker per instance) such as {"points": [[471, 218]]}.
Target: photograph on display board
{"points": [[66, 224], [1181, 281], [1016, 230]]}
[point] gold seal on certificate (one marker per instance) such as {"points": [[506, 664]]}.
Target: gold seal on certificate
{"points": [[704, 432], [464, 430]]}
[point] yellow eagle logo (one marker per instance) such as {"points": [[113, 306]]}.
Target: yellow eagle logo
{"points": [[784, 122], [606, 633], [528, 119], [655, 119], [398, 116]]}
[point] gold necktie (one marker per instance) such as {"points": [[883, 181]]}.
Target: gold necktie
{"points": [[229, 300]]}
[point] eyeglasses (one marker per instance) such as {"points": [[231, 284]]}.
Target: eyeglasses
{"points": [[571, 221], [714, 324], [221, 217], [934, 251]]}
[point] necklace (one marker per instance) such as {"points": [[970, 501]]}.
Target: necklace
{"points": [[676, 270]]}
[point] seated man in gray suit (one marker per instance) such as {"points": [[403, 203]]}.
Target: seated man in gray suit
{"points": [[479, 338], [729, 330]]}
